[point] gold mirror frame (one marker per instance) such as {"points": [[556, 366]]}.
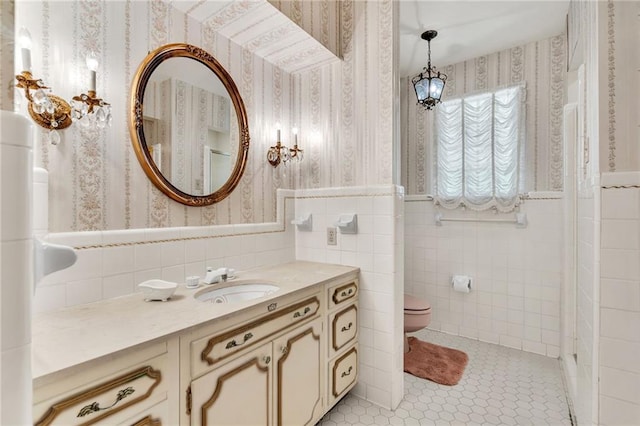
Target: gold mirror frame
{"points": [[136, 127]]}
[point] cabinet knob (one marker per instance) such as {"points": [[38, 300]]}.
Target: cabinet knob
{"points": [[266, 359], [284, 350]]}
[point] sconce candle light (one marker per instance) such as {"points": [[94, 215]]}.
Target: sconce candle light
{"points": [[52, 112], [280, 153], [87, 108]]}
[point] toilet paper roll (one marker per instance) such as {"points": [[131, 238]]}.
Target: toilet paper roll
{"points": [[461, 283]]}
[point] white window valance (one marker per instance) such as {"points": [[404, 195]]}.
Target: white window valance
{"points": [[479, 141]]}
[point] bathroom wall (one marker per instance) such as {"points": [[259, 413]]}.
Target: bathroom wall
{"points": [[590, 19], [7, 78], [377, 249], [347, 107], [112, 263], [542, 65], [16, 245], [587, 302], [620, 299], [96, 182], [321, 19], [516, 272], [620, 87]]}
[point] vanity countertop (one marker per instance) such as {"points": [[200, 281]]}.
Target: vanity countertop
{"points": [[68, 337]]}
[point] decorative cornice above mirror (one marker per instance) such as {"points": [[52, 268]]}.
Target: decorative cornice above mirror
{"points": [[182, 125]]}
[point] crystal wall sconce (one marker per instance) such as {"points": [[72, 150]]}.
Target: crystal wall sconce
{"points": [[281, 154], [53, 113]]}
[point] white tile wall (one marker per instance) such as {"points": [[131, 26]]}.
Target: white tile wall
{"points": [[16, 267], [516, 273], [377, 250], [619, 393], [112, 263], [586, 306]]}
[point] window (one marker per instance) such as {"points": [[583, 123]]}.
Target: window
{"points": [[478, 145]]}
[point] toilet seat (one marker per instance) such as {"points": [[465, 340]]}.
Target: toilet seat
{"points": [[416, 306], [417, 315]]}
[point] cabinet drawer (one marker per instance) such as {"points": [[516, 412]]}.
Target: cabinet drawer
{"points": [[343, 293], [344, 373], [344, 327], [110, 400], [208, 351]]}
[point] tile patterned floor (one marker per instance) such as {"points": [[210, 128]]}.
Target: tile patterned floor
{"points": [[500, 386]]}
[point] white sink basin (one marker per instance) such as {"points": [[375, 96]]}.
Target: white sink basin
{"points": [[237, 292]]}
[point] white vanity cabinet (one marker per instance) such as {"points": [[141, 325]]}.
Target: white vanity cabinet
{"points": [[237, 393], [268, 370], [285, 360], [280, 382], [300, 371], [135, 388], [343, 339]]}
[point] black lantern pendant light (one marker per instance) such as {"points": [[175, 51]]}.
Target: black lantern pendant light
{"points": [[429, 84]]}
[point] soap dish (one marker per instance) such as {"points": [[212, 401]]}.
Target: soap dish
{"points": [[157, 289]]}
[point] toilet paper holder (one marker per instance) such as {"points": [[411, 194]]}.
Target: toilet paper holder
{"points": [[461, 283]]}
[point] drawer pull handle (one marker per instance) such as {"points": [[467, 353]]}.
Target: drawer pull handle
{"points": [[347, 328], [305, 312], [267, 359], [347, 293], [95, 407], [346, 373], [233, 343]]}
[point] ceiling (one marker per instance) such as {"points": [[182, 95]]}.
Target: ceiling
{"points": [[259, 27], [466, 29], [472, 28]]}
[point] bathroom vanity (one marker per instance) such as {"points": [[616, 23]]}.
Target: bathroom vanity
{"points": [[282, 359]]}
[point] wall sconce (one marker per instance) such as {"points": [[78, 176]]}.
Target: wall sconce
{"points": [[52, 112], [281, 154]]}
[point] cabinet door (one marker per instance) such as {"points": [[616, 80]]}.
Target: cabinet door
{"points": [[300, 375], [238, 393]]}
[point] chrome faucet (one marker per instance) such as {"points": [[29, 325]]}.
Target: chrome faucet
{"points": [[215, 276]]}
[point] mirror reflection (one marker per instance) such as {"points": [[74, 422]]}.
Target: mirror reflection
{"points": [[190, 126]]}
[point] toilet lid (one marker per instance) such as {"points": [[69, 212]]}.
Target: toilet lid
{"points": [[414, 304]]}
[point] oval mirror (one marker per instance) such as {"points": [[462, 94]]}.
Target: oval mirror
{"points": [[188, 124]]}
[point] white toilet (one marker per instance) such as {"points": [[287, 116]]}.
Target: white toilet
{"points": [[417, 315]]}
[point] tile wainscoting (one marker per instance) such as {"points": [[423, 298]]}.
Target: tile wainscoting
{"points": [[112, 263], [516, 273], [619, 372]]}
